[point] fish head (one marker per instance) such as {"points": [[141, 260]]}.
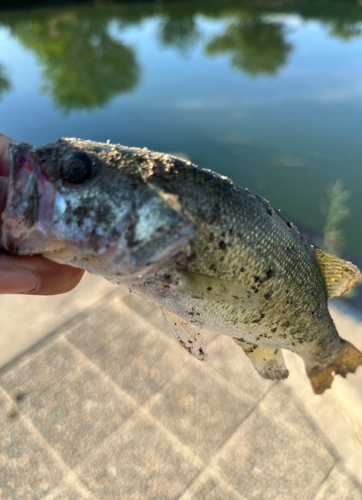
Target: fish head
{"points": [[89, 205]]}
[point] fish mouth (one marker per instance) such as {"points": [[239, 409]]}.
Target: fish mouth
{"points": [[30, 205]]}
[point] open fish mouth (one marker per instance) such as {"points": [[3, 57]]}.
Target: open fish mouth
{"points": [[30, 207]]}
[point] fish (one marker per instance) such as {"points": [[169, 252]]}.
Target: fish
{"points": [[210, 254]]}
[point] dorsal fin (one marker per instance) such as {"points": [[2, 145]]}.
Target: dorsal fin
{"points": [[340, 275]]}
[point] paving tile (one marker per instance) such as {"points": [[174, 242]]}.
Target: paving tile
{"points": [[200, 410], [76, 414], [276, 454], [67, 491], [114, 319], [340, 486], [142, 462], [141, 360], [208, 487], [40, 369], [27, 470], [30, 318], [230, 361]]}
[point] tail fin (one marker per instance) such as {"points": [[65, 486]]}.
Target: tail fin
{"points": [[321, 377]]}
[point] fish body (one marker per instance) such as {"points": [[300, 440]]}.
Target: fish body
{"points": [[209, 253]]}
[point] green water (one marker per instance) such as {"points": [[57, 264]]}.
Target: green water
{"points": [[267, 94]]}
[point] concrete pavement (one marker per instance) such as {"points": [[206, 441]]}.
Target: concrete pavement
{"points": [[111, 407]]}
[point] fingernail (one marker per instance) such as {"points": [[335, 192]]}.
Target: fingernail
{"points": [[17, 281]]}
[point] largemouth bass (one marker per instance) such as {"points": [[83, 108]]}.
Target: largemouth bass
{"points": [[210, 254]]}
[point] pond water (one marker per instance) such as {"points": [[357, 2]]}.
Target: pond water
{"points": [[267, 94]]}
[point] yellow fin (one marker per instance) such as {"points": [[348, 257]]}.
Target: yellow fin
{"points": [[268, 361], [340, 275], [321, 377]]}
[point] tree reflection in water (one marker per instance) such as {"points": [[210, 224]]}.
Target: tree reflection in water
{"points": [[4, 82], [255, 46], [179, 32], [84, 66]]}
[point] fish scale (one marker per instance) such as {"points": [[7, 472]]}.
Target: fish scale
{"points": [[210, 254]]}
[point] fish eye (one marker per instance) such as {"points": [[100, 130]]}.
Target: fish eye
{"points": [[77, 168]]}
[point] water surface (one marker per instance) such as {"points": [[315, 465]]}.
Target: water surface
{"points": [[267, 94]]}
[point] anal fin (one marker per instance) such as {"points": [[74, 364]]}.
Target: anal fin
{"points": [[268, 361], [187, 334]]}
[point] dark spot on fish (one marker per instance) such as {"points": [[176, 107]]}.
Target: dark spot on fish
{"points": [[209, 288], [251, 349], [68, 219], [212, 267], [211, 237], [271, 211], [159, 230], [262, 316], [268, 295], [191, 313], [231, 232], [286, 291], [222, 258], [215, 213], [223, 234], [190, 342], [275, 352], [256, 279], [274, 329], [270, 273], [222, 245], [192, 257], [255, 289], [240, 235], [201, 351], [235, 297], [293, 250], [242, 269], [168, 278]]}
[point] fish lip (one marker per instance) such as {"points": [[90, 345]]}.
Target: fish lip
{"points": [[29, 209]]}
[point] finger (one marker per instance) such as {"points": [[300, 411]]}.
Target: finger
{"points": [[4, 154], [36, 275]]}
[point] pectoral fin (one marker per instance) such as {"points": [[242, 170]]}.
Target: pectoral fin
{"points": [[218, 290], [340, 275], [268, 361], [188, 335]]}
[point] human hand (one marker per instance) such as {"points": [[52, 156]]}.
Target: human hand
{"points": [[30, 275]]}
